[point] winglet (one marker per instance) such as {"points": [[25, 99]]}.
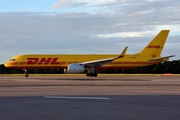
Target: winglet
{"points": [[123, 53]]}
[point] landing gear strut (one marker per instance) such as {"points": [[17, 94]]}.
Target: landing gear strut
{"points": [[26, 73], [91, 72]]}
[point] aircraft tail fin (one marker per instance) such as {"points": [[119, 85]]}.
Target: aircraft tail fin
{"points": [[155, 47]]}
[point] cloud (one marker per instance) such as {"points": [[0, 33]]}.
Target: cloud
{"points": [[79, 3], [175, 31], [84, 5], [123, 34], [8, 42], [114, 25], [68, 3], [126, 7]]}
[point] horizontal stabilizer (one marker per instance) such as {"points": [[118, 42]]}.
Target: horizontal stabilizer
{"points": [[161, 58]]}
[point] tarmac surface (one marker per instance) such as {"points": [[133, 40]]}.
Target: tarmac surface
{"points": [[101, 98]]}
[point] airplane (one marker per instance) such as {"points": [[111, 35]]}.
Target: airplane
{"points": [[89, 63]]}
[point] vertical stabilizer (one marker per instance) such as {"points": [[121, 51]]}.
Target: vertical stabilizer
{"points": [[155, 47]]}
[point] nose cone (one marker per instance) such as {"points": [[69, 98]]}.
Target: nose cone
{"points": [[11, 63], [8, 64], [5, 64]]}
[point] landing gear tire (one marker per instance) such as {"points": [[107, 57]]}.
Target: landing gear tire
{"points": [[91, 74], [26, 73], [95, 74], [87, 74]]}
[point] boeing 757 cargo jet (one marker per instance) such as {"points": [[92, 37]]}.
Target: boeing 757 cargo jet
{"points": [[87, 63]]}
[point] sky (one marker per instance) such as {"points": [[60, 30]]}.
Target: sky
{"points": [[86, 26]]}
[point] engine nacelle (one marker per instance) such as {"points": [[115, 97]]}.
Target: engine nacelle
{"points": [[75, 68]]}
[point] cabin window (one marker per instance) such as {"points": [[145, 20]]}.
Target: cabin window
{"points": [[12, 60]]}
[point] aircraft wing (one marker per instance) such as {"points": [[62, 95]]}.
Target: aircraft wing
{"points": [[98, 63], [161, 58]]}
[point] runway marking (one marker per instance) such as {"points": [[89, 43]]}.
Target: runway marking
{"points": [[64, 97], [167, 80]]}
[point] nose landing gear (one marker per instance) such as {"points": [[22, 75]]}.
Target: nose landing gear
{"points": [[26, 73]]}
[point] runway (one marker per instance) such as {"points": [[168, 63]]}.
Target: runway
{"points": [[78, 97], [80, 85]]}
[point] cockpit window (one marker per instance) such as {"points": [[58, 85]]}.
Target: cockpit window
{"points": [[12, 60]]}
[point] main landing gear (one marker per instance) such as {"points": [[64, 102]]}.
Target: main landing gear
{"points": [[91, 72]]}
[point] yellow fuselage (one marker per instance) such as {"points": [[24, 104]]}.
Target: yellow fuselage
{"points": [[27, 61]]}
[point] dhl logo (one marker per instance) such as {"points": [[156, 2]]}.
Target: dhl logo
{"points": [[153, 46], [41, 61]]}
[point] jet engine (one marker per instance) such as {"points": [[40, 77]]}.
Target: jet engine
{"points": [[75, 68]]}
